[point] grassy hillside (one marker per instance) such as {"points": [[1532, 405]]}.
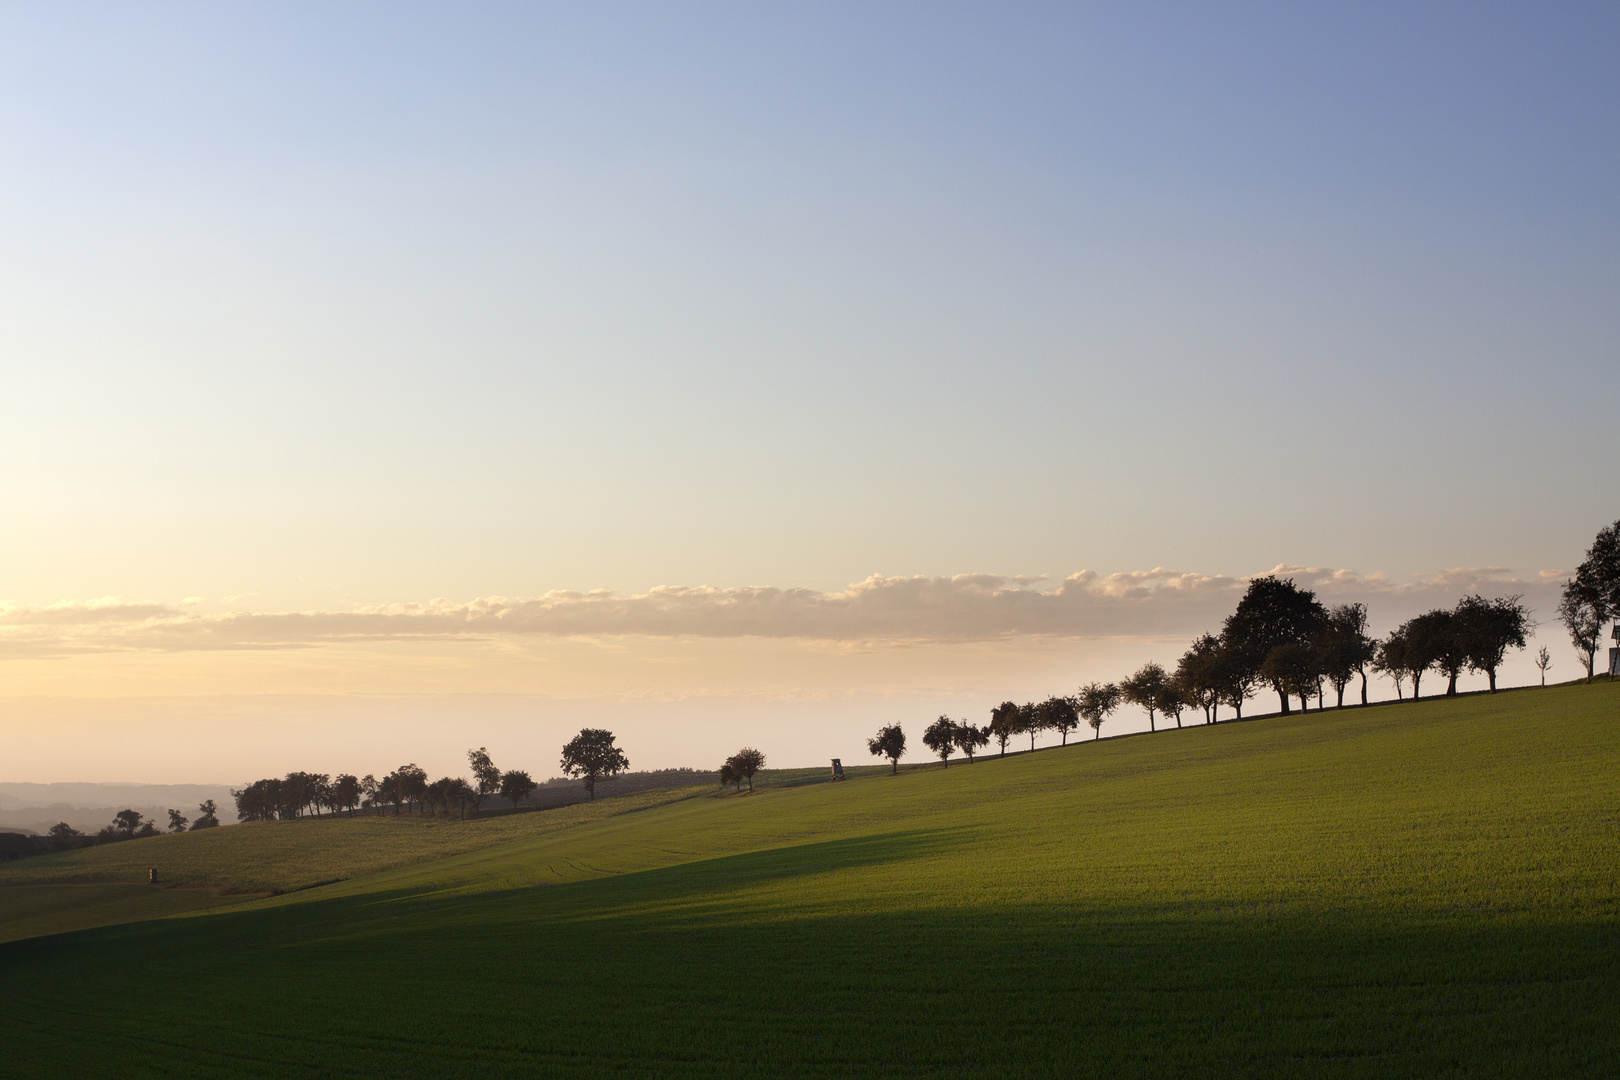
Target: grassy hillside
{"points": [[1419, 890]]}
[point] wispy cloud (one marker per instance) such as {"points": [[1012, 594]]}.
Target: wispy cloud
{"points": [[966, 607]]}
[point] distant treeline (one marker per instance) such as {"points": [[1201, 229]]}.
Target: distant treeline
{"points": [[130, 825], [1282, 638]]}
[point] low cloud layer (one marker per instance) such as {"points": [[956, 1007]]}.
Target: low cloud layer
{"points": [[900, 610]]}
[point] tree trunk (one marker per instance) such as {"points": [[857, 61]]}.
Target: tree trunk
{"points": [[1284, 700], [1417, 679], [1364, 687], [1451, 687], [1490, 673], [1150, 721], [894, 763]]}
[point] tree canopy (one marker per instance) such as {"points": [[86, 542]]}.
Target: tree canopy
{"points": [[591, 755]]}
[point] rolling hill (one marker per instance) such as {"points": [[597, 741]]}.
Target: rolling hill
{"points": [[1424, 889]]}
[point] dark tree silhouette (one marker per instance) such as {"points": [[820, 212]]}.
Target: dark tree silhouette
{"points": [[591, 755], [1060, 714], [1345, 648], [1391, 659], [747, 762], [370, 789], [1236, 679], [1004, 723], [1273, 612], [1198, 672], [1096, 700], [1294, 668], [486, 777], [1431, 644], [207, 815], [1487, 629], [177, 821], [940, 737], [1031, 721], [1146, 689], [127, 822], [346, 793], [1175, 698], [970, 738], [1601, 567], [516, 785], [729, 776], [889, 742], [65, 837], [1543, 662], [1583, 611]]}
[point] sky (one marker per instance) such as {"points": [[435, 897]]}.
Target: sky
{"points": [[387, 380]]}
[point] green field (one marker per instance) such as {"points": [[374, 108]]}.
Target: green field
{"points": [[1414, 890]]}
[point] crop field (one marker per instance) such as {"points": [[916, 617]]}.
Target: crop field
{"points": [[1411, 890]]}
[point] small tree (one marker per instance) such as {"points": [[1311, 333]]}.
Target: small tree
{"points": [[126, 823], [516, 785], [65, 837], [1031, 721], [1293, 669], [1175, 698], [1004, 723], [747, 762], [1062, 716], [1430, 643], [1487, 629], [1198, 672], [1236, 679], [369, 789], [940, 737], [889, 742], [591, 755], [207, 815], [1145, 689], [1583, 610], [1544, 661], [1097, 700], [486, 777], [970, 738], [346, 792], [177, 821], [1391, 659]]}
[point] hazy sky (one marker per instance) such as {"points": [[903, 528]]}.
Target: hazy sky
{"points": [[480, 322]]}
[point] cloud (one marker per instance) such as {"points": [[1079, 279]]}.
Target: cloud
{"points": [[897, 610]]}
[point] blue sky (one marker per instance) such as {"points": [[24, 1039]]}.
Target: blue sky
{"points": [[327, 306]]}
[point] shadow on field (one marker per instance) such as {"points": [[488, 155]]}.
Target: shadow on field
{"points": [[585, 980]]}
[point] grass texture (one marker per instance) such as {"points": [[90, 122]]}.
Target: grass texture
{"points": [[1414, 890]]}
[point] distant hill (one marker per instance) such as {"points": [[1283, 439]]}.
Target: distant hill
{"points": [[34, 808]]}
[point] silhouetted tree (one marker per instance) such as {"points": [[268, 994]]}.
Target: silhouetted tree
{"points": [[1583, 611], [889, 742], [1543, 662], [516, 785], [1031, 721], [1004, 723], [1293, 668], [1391, 659], [1096, 700], [1431, 644], [591, 755], [1487, 629], [412, 781], [127, 823], [1236, 679], [1272, 612], [486, 777], [970, 738], [748, 761], [1198, 673], [65, 837], [1060, 714], [1175, 698], [940, 737], [371, 790], [207, 815], [1146, 689], [177, 821], [729, 777], [346, 793], [1601, 567]]}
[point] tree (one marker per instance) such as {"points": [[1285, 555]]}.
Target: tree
{"points": [[940, 737], [177, 821], [889, 742], [1544, 661], [1583, 611], [1004, 723], [747, 762], [1096, 701], [207, 815], [1272, 612], [1345, 649], [729, 777], [591, 755], [126, 823], [1174, 698], [1391, 659], [411, 786], [1061, 715], [1236, 679], [1487, 629], [1295, 668], [64, 837], [486, 777], [1430, 644], [970, 738], [1601, 567], [516, 785], [346, 793], [1031, 721], [1146, 689], [371, 791], [1198, 673]]}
